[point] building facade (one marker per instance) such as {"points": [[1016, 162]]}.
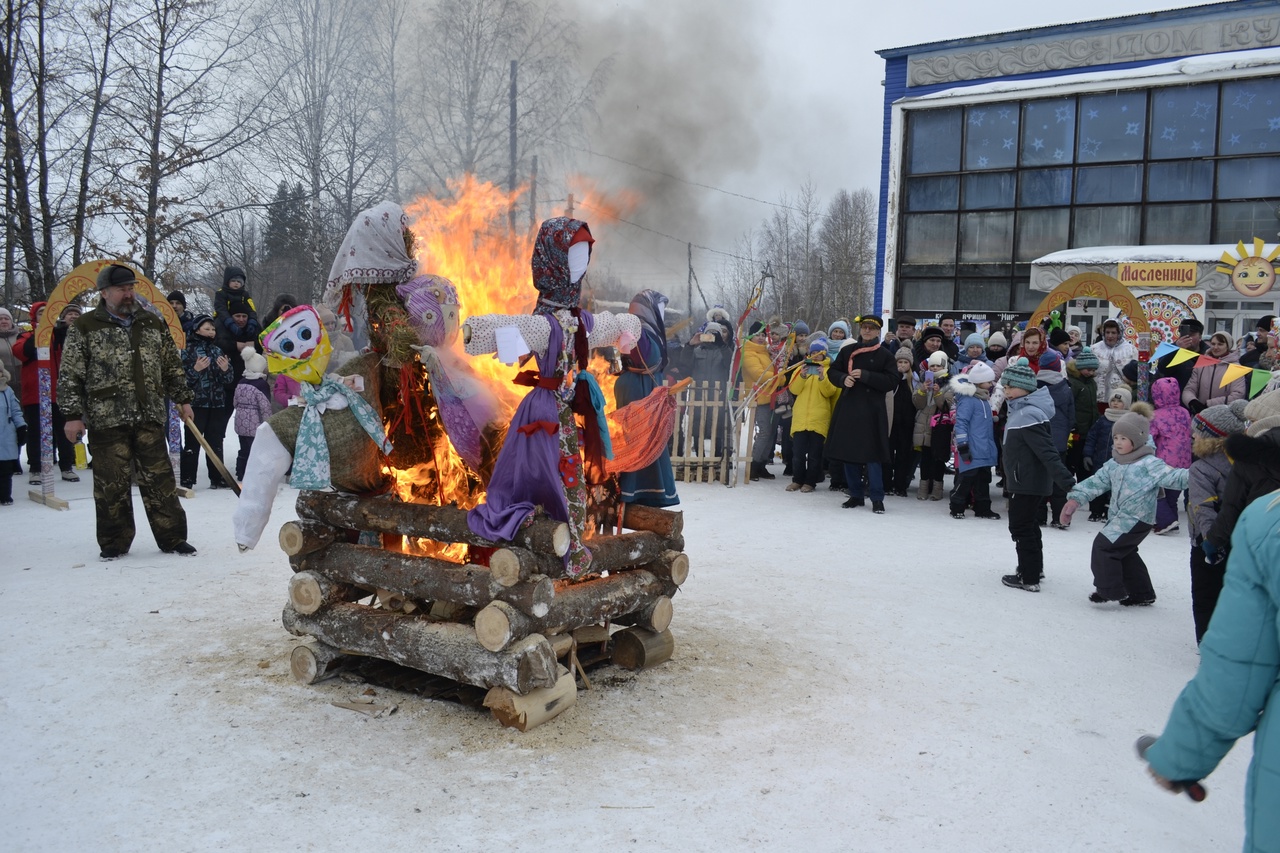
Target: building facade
{"points": [[1153, 129]]}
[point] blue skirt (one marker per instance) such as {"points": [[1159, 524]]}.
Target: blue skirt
{"points": [[654, 485]]}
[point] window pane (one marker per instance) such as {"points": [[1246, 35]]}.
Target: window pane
{"points": [[930, 239], [991, 136], [1045, 188], [1245, 220], [1103, 184], [1180, 180], [1024, 298], [934, 141], [986, 238], [983, 294], [1112, 127], [939, 193], [1177, 223], [989, 190], [928, 294], [1048, 131], [1041, 232], [1183, 121], [1250, 116], [1105, 226], [1251, 178]]}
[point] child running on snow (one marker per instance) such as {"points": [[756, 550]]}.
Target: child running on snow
{"points": [[975, 441], [13, 435], [1134, 475]]}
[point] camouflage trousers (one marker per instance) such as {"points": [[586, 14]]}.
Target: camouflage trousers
{"points": [[117, 453]]}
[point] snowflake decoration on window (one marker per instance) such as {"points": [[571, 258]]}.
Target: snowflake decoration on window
{"points": [[1092, 114], [982, 162], [1059, 154], [1234, 140], [1133, 128], [1004, 113], [1202, 110], [1037, 144], [1169, 133], [1062, 114], [1244, 100], [1090, 147], [1008, 143], [1273, 123], [976, 117], [1196, 146]]}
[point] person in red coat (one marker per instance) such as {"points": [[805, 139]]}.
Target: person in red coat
{"points": [[25, 348]]}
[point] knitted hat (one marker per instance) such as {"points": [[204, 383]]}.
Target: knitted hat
{"points": [[255, 362], [869, 318], [820, 345], [1190, 325], [4, 312], [756, 327], [1019, 375], [238, 305], [840, 324], [906, 354], [1076, 329], [932, 332], [73, 308], [938, 362], [1130, 371], [800, 327], [1058, 337], [1124, 394], [981, 372], [230, 273], [1086, 360], [1263, 413], [714, 328], [200, 319], [1051, 360], [998, 340], [177, 296], [975, 340], [1134, 427], [1226, 337], [115, 274], [1220, 421]]}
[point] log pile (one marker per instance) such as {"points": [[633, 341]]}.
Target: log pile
{"points": [[507, 620]]}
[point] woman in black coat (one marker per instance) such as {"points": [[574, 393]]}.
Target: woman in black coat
{"points": [[859, 434]]}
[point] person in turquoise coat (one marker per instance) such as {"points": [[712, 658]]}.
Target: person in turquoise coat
{"points": [[1237, 688], [644, 369]]}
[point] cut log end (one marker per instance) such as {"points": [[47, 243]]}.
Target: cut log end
{"points": [[494, 626], [505, 567], [536, 707], [305, 593], [680, 569], [640, 648], [659, 614], [309, 664], [560, 540]]}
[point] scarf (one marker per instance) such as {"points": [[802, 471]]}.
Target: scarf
{"points": [[373, 252], [311, 453], [1133, 455], [550, 263], [1114, 415], [648, 306]]}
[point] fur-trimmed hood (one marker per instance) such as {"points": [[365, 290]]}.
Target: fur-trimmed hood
{"points": [[1263, 450]]}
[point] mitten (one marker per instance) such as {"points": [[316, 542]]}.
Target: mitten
{"points": [[1196, 407], [1064, 518], [963, 450], [1213, 555], [22, 435], [1087, 464]]}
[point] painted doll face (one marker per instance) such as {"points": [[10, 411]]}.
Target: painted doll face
{"points": [[296, 336], [1253, 276]]}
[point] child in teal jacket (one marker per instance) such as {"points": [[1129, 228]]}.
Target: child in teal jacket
{"points": [[1134, 475]]}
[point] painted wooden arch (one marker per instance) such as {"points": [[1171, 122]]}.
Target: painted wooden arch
{"points": [[1092, 285], [85, 277]]}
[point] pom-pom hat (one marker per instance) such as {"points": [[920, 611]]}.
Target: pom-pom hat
{"points": [[1086, 360], [1019, 375], [1221, 421]]}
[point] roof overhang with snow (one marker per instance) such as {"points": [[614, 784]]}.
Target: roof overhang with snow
{"points": [[1150, 268]]}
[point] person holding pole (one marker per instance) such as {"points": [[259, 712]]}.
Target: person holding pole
{"points": [[118, 366]]}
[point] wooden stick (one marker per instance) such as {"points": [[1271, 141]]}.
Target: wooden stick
{"points": [[213, 457], [440, 648], [664, 522]]}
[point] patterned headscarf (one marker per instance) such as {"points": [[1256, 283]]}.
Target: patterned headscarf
{"points": [[373, 252], [551, 264], [432, 304], [648, 306]]}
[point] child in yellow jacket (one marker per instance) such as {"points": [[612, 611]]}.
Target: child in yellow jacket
{"points": [[810, 416]]}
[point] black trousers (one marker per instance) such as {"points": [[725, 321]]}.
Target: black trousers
{"points": [[931, 468], [788, 451], [1024, 529], [976, 481], [1206, 586], [902, 459], [63, 451], [212, 424], [242, 459], [1118, 570], [806, 457]]}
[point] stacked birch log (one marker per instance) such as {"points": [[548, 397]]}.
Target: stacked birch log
{"points": [[503, 621]]}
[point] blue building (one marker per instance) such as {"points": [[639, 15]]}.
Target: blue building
{"points": [[1152, 129]]}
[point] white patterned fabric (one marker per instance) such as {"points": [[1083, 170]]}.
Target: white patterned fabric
{"points": [[372, 252]]}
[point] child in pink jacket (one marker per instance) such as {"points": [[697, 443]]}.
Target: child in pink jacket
{"points": [[1171, 429]]}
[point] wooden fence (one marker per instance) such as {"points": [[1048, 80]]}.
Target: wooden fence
{"points": [[704, 444]]}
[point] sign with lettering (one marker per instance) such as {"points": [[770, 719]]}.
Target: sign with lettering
{"points": [[1148, 275]]}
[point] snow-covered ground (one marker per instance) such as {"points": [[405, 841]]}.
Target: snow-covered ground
{"points": [[841, 681]]}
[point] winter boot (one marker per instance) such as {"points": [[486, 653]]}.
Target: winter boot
{"points": [[764, 472], [935, 492], [755, 471], [922, 493]]}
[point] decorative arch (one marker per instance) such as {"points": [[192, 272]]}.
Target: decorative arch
{"points": [[1092, 285], [74, 283]]}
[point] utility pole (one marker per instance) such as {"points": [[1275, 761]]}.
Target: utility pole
{"points": [[533, 194], [511, 173], [569, 211], [690, 281]]}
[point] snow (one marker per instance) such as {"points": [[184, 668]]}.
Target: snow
{"points": [[1192, 69], [1148, 254], [841, 681]]}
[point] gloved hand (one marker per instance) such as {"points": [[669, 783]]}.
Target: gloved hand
{"points": [[22, 436], [1087, 464], [1196, 407], [965, 455], [1064, 518], [1213, 555]]}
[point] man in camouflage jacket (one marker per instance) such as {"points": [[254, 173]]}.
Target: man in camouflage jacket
{"points": [[118, 366]]}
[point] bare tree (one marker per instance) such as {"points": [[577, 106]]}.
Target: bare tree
{"points": [[847, 238]]}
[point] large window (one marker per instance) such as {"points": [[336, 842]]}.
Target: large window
{"points": [[990, 187]]}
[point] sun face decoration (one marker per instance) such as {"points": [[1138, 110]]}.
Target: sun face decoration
{"points": [[1251, 274]]}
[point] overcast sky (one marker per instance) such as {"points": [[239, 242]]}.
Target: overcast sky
{"points": [[756, 98]]}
